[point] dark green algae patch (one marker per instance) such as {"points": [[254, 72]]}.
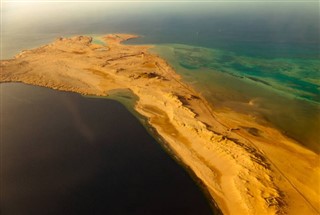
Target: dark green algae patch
{"points": [[297, 77]]}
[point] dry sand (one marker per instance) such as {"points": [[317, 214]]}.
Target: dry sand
{"points": [[246, 167]]}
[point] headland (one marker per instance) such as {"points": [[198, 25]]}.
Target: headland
{"points": [[247, 168]]}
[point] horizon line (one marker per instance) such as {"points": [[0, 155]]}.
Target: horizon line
{"points": [[159, 1]]}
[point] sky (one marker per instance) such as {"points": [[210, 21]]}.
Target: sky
{"points": [[26, 11]]}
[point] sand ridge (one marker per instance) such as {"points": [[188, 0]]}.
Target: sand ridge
{"points": [[247, 168]]}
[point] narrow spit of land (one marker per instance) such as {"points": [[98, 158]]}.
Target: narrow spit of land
{"points": [[246, 167]]}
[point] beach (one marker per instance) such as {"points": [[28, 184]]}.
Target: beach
{"points": [[248, 168]]}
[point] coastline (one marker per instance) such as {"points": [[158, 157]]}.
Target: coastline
{"points": [[129, 100], [244, 173], [296, 117]]}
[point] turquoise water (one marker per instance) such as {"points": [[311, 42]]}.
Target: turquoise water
{"points": [[295, 77]]}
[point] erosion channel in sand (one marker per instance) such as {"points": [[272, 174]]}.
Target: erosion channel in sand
{"points": [[247, 168]]}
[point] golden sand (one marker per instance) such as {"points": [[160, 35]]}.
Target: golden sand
{"points": [[246, 167]]}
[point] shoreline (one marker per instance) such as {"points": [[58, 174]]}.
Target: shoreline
{"points": [[164, 145], [270, 106], [243, 173]]}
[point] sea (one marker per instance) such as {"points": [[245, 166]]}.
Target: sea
{"points": [[62, 153], [259, 58]]}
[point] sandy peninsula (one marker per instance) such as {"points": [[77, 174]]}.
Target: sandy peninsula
{"points": [[246, 167]]}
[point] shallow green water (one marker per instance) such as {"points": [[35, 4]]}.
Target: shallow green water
{"points": [[280, 91]]}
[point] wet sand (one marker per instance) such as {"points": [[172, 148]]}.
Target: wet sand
{"points": [[247, 168]]}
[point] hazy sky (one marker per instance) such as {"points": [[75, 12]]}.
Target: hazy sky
{"points": [[31, 13]]}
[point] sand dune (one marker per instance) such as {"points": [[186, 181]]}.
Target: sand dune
{"points": [[246, 167]]}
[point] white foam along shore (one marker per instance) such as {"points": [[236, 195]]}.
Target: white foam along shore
{"points": [[246, 167]]}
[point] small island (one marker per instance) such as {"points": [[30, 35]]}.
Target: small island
{"points": [[246, 167]]}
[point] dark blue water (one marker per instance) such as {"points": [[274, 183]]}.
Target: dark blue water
{"points": [[65, 154], [262, 30]]}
